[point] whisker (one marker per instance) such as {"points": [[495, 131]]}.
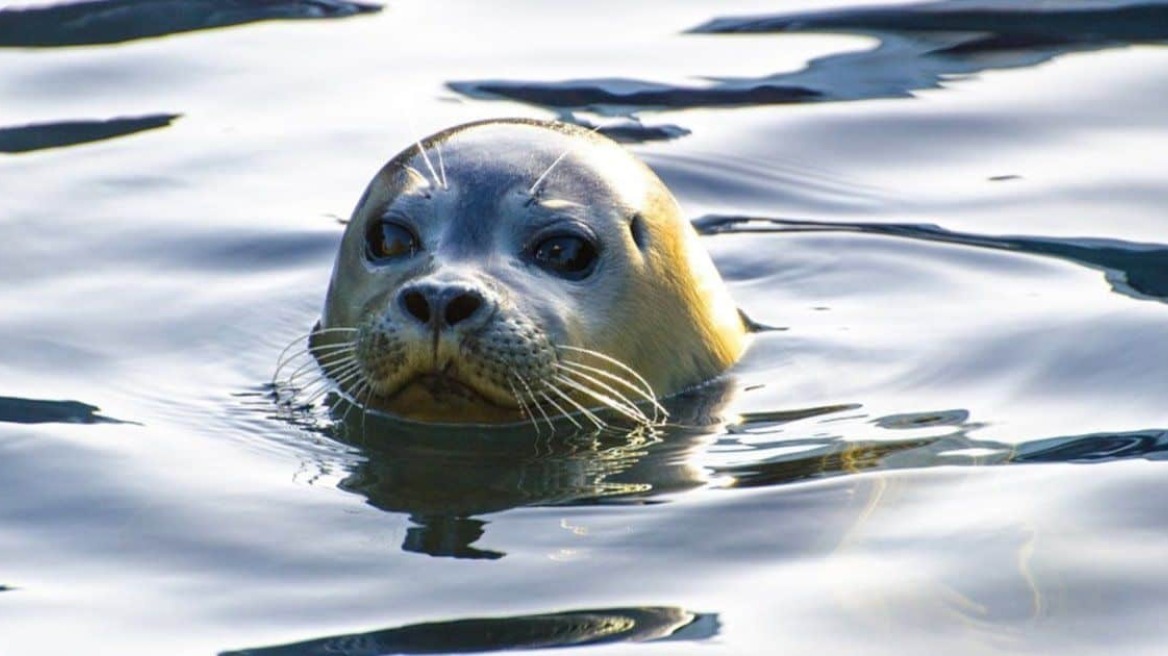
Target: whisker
{"points": [[284, 357], [334, 329], [301, 370], [429, 164], [535, 403], [619, 403], [559, 407], [308, 394], [607, 358], [659, 412], [546, 419], [618, 394], [340, 382], [538, 181], [632, 412], [365, 413], [280, 366], [344, 366], [523, 407], [579, 368], [441, 165], [319, 331], [597, 421], [416, 176], [353, 403]]}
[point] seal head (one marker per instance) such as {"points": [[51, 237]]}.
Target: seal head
{"points": [[502, 271]]}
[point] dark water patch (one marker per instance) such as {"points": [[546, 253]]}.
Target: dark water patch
{"points": [[909, 421], [116, 21], [482, 635], [629, 95], [40, 136], [632, 131], [1013, 25], [921, 46], [15, 410], [753, 420], [1147, 444], [1137, 270]]}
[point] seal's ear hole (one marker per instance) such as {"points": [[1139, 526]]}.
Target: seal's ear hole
{"points": [[640, 232]]}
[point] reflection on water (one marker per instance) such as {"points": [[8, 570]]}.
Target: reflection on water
{"points": [[39, 136], [565, 629], [446, 477], [920, 46], [115, 21], [1150, 444], [37, 411], [1136, 270]]}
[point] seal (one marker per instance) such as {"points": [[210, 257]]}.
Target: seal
{"points": [[517, 270]]}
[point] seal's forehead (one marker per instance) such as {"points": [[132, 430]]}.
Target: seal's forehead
{"points": [[512, 154]]}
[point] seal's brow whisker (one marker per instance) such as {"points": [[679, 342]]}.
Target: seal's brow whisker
{"points": [[429, 164], [534, 190], [441, 165], [416, 175]]}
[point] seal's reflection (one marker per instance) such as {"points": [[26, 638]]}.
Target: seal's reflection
{"points": [[446, 477]]}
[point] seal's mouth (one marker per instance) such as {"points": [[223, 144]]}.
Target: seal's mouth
{"points": [[445, 384]]}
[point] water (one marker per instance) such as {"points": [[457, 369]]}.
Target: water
{"points": [[952, 214]]}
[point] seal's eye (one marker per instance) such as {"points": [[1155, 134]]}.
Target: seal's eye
{"points": [[386, 239], [568, 256]]}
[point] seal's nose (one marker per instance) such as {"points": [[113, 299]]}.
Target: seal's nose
{"points": [[442, 305]]}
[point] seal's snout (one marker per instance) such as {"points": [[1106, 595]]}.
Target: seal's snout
{"points": [[444, 306]]}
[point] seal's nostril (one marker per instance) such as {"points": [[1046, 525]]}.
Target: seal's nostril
{"points": [[416, 304], [462, 307]]}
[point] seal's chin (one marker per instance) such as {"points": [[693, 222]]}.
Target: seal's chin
{"points": [[441, 398]]}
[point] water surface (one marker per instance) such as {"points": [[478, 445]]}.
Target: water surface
{"points": [[949, 215]]}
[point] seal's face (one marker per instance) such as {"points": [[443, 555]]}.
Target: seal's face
{"points": [[513, 269]]}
